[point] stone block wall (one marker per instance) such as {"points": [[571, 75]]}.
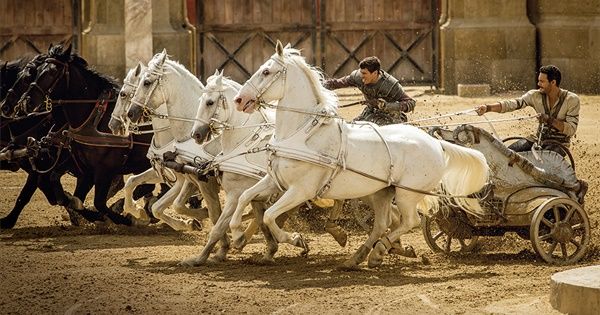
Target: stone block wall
{"points": [[118, 33], [503, 43]]}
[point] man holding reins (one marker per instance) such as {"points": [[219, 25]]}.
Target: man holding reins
{"points": [[558, 114], [386, 101]]}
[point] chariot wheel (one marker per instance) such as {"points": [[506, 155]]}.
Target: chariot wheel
{"points": [[442, 241], [560, 231]]}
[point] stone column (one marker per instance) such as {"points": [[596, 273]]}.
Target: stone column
{"points": [[490, 42], [171, 30], [138, 32], [102, 41], [119, 33], [569, 34]]}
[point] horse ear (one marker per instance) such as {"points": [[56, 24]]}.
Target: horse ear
{"points": [[216, 72], [279, 48], [164, 56], [219, 81], [287, 46], [138, 69]]}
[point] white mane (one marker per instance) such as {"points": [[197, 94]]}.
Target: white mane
{"points": [[328, 98]]}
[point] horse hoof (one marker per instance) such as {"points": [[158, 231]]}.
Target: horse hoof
{"points": [[300, 242], [217, 259], [74, 217], [348, 265], [376, 256], [338, 234], [407, 251], [239, 243], [191, 262], [196, 226]]}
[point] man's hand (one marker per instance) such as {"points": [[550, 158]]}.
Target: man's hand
{"points": [[545, 118], [376, 102], [481, 109]]}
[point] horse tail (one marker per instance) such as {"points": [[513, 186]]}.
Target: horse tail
{"points": [[466, 172]]}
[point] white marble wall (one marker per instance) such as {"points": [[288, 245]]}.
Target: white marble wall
{"points": [[138, 32]]}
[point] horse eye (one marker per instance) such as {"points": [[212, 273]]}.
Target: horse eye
{"points": [[147, 82], [266, 72], [123, 94], [210, 103]]}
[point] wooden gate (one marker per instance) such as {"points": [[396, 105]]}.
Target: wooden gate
{"points": [[238, 35], [29, 27], [399, 32]]}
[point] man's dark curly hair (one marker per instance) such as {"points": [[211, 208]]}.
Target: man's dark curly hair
{"points": [[552, 72], [370, 63]]}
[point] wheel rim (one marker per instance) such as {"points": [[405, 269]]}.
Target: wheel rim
{"points": [[560, 231], [440, 241]]}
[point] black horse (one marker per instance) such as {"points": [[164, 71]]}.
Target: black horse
{"points": [[65, 85], [45, 168]]}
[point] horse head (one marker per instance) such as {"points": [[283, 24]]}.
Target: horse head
{"points": [[267, 83], [144, 98], [168, 94], [216, 106], [16, 77], [52, 73], [118, 119]]}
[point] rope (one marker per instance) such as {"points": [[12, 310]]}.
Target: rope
{"points": [[479, 122]]}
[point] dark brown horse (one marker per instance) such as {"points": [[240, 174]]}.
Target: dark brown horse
{"points": [[66, 87]]}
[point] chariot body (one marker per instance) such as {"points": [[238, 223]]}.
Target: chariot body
{"points": [[534, 194]]}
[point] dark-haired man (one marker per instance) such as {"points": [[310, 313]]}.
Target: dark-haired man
{"points": [[386, 104], [558, 110], [558, 114], [385, 99]]}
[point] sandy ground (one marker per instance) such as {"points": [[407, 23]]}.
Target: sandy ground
{"points": [[49, 266]]}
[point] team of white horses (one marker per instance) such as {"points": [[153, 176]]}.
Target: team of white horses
{"points": [[278, 142]]}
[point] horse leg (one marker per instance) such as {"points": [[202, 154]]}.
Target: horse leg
{"points": [[396, 246], [148, 176], [159, 207], [291, 198], [381, 204], [196, 214], [264, 188], [331, 227], [179, 205], [31, 184], [407, 206], [272, 245], [218, 232], [82, 188], [100, 196]]}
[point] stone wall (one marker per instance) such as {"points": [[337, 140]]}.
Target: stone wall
{"points": [[119, 33], [503, 43]]}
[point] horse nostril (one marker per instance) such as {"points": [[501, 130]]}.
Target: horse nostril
{"points": [[238, 100]]}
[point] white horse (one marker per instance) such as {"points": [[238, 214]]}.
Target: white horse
{"points": [[243, 161], [315, 153], [166, 134]]}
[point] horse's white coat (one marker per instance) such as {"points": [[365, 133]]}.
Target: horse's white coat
{"points": [[419, 160]]}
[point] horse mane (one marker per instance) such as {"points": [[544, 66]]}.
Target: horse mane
{"points": [[57, 52], [226, 81], [328, 98], [176, 66]]}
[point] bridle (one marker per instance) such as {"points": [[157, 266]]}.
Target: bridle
{"points": [[64, 72], [148, 111], [283, 72]]}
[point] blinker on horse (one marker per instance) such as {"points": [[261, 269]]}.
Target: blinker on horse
{"points": [[65, 85]]}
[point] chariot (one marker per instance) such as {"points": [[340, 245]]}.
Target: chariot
{"points": [[534, 194]]}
